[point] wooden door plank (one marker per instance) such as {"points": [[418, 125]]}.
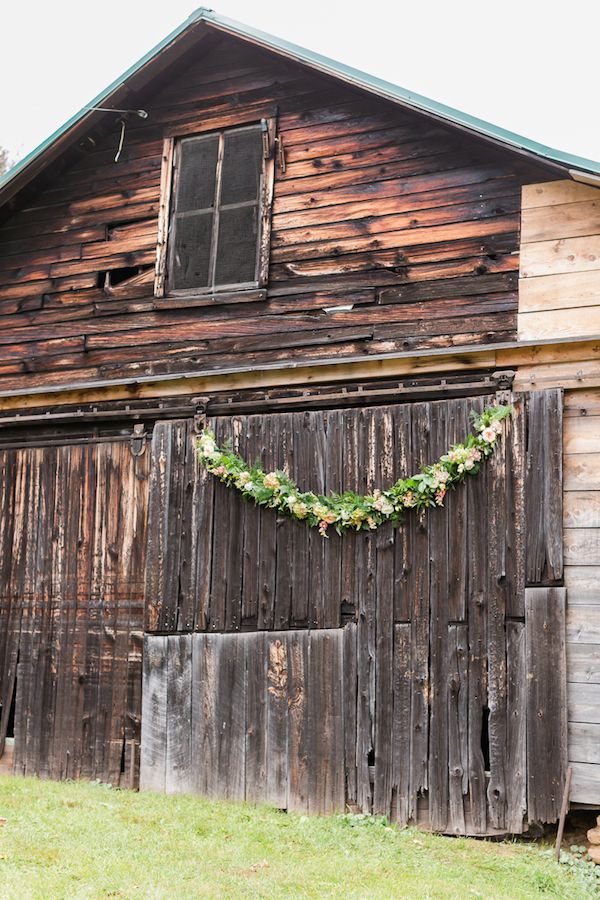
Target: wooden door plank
{"points": [[544, 488], [299, 759], [516, 706], [153, 757], [546, 702], [277, 720], [457, 726], [256, 717], [326, 776], [179, 714]]}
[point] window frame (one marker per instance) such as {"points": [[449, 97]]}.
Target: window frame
{"points": [[237, 292]]}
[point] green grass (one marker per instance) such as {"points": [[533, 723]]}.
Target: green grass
{"points": [[87, 840]]}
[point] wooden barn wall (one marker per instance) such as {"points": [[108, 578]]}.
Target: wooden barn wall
{"points": [[72, 547], [450, 627], [559, 287], [413, 225], [582, 579]]}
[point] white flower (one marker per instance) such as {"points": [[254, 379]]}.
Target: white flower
{"points": [[469, 464], [489, 434], [207, 446]]}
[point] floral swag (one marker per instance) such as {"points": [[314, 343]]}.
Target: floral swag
{"points": [[350, 510]]}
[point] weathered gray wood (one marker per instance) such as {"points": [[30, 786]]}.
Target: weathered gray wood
{"points": [[256, 717], [457, 725], [584, 742], [206, 658], [584, 702], [583, 662], [544, 561], [585, 783], [298, 750], [178, 732], [277, 720], [350, 689], [546, 701], [583, 625], [516, 705], [325, 692], [153, 755], [401, 734]]}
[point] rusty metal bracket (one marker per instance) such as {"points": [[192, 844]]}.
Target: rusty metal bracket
{"points": [[504, 380], [200, 414], [137, 442]]}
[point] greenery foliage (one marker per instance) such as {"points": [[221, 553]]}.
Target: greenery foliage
{"points": [[351, 510]]}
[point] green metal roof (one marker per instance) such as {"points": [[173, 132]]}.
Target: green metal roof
{"points": [[203, 19]]}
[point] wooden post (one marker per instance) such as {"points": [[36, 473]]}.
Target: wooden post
{"points": [[563, 813]]}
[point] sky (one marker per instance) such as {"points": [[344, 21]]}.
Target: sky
{"points": [[525, 65]]}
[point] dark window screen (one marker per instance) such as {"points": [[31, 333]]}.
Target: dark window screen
{"points": [[215, 227]]}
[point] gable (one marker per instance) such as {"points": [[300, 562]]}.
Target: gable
{"points": [[389, 233]]}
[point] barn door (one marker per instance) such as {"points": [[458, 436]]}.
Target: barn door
{"points": [[448, 706], [72, 547]]}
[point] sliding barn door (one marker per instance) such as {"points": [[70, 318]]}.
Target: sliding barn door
{"points": [[72, 548], [423, 694]]}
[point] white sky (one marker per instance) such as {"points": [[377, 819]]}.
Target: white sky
{"points": [[527, 65]]}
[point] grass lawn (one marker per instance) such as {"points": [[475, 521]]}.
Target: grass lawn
{"points": [[87, 840]]}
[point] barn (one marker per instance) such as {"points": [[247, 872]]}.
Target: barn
{"points": [[331, 275]]}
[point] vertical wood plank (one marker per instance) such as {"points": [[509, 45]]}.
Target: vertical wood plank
{"points": [[277, 721], [179, 712], [546, 701], [516, 801], [438, 639], [153, 757], [350, 689], [256, 718], [457, 725], [299, 760], [544, 561], [326, 778], [401, 723]]}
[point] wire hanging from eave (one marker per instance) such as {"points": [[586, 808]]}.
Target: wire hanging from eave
{"points": [[123, 120]]}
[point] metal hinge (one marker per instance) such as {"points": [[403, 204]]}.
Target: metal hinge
{"points": [[200, 414], [137, 442]]}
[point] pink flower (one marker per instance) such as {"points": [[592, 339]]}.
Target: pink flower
{"points": [[323, 528], [489, 434], [439, 497], [220, 470]]}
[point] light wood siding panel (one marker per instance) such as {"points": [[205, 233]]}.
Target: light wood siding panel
{"points": [[559, 285], [581, 517]]}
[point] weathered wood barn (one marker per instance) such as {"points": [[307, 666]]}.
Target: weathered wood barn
{"points": [[332, 273]]}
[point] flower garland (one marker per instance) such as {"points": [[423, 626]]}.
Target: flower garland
{"points": [[350, 510]]}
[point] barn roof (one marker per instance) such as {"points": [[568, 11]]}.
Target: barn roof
{"points": [[204, 21]]}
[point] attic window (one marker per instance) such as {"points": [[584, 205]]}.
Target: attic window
{"points": [[215, 212]]}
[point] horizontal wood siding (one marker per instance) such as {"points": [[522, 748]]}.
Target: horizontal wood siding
{"points": [[582, 580], [559, 287], [412, 226]]}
